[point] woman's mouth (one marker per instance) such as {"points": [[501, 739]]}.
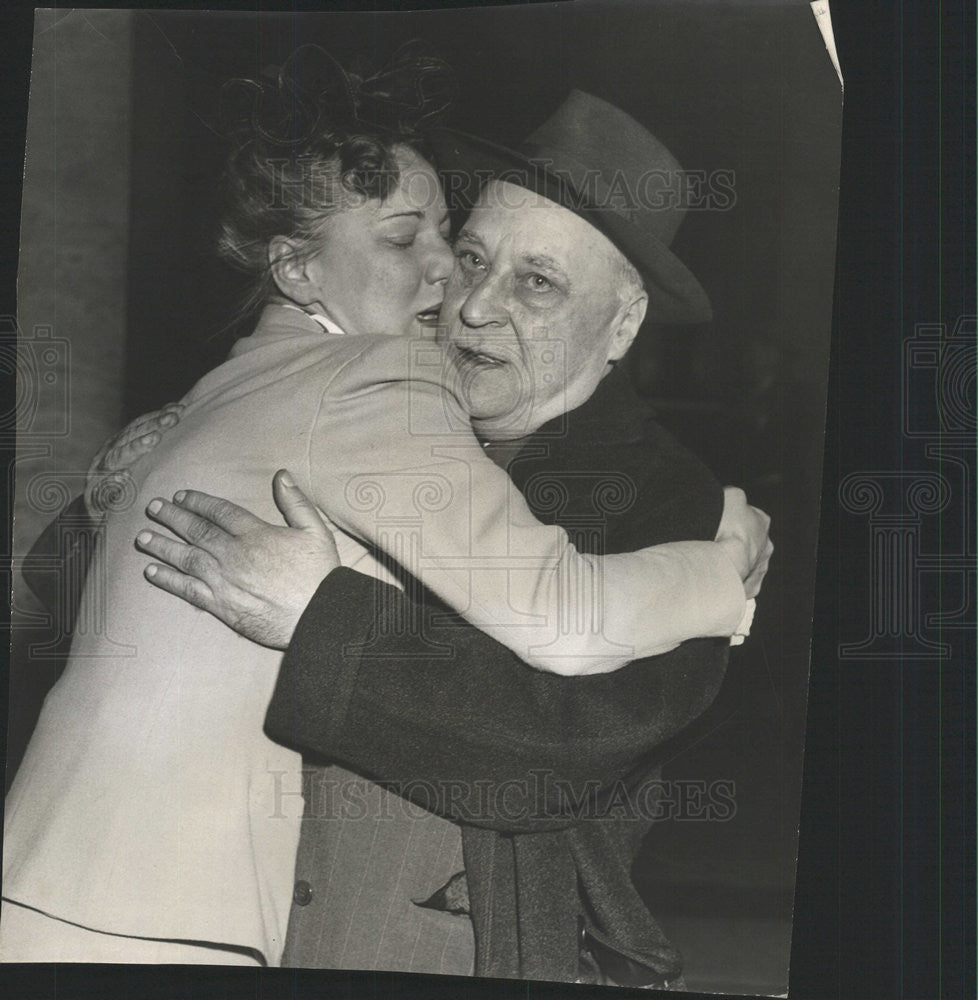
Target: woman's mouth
{"points": [[429, 317]]}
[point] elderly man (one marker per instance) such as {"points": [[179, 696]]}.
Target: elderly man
{"points": [[530, 791]]}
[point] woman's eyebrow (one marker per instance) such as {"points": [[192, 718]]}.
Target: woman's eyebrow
{"points": [[467, 234], [395, 215]]}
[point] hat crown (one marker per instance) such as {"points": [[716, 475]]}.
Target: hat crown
{"points": [[596, 161], [625, 169]]}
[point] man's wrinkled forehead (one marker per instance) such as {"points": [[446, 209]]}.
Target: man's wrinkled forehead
{"points": [[529, 223]]}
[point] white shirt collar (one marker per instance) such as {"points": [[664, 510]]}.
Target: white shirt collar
{"points": [[324, 321]]}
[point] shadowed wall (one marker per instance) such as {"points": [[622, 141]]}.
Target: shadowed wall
{"points": [[72, 297]]}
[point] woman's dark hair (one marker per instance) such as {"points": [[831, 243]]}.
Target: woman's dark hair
{"points": [[303, 146]]}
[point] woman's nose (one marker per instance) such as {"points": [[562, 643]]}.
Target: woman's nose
{"points": [[440, 265]]}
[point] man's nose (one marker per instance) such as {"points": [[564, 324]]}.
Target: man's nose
{"points": [[440, 265], [483, 306]]}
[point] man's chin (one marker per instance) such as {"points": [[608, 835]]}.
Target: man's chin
{"points": [[498, 416], [501, 429], [489, 393]]}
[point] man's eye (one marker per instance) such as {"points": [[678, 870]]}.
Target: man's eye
{"points": [[538, 283], [469, 259], [401, 242]]}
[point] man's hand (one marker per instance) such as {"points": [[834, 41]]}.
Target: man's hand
{"points": [[108, 475], [254, 576], [744, 535]]}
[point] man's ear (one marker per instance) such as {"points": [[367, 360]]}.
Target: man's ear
{"points": [[289, 271], [630, 319]]}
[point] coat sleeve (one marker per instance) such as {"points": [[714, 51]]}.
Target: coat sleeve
{"points": [[393, 461], [410, 696]]}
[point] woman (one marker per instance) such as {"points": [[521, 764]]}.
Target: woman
{"points": [[151, 820]]}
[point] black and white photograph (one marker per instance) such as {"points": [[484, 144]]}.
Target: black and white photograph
{"points": [[420, 428]]}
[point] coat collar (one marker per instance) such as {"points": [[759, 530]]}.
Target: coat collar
{"points": [[284, 322], [614, 414]]}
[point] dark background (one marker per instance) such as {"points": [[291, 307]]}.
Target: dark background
{"points": [[886, 788]]}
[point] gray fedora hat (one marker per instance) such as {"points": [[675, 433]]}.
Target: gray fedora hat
{"points": [[595, 160]]}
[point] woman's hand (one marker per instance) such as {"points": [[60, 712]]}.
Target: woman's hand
{"points": [[744, 533], [108, 479], [255, 577]]}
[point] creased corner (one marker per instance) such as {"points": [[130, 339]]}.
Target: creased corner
{"points": [[823, 18]]}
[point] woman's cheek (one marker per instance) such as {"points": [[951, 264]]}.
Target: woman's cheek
{"points": [[401, 277], [396, 300]]}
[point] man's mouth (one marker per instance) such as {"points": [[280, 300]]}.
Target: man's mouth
{"points": [[474, 356]]}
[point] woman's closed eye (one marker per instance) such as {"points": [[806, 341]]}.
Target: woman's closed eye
{"points": [[404, 242]]}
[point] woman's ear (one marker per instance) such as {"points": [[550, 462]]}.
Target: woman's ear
{"points": [[629, 322], [289, 271]]}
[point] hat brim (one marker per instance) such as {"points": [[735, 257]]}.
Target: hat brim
{"points": [[467, 162]]}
